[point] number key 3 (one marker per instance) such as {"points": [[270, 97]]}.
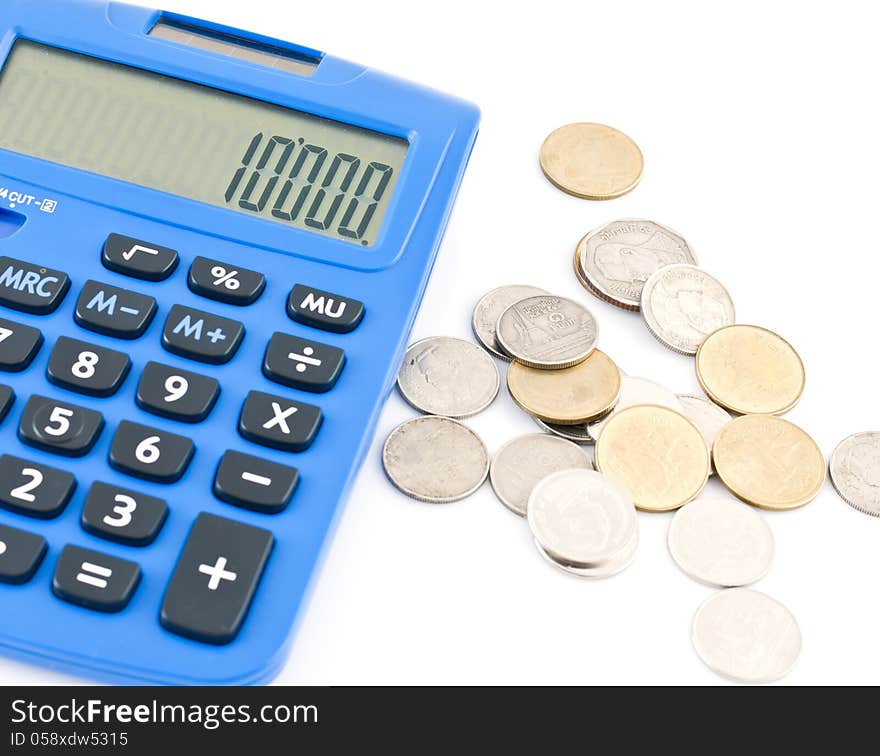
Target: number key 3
{"points": [[124, 516]]}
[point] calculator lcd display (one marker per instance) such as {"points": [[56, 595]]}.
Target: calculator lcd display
{"points": [[198, 142]]}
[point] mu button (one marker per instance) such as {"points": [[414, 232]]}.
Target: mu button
{"points": [[321, 309]]}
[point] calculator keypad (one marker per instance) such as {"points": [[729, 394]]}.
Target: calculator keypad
{"points": [[113, 311], [278, 422], [149, 453], [121, 515], [138, 258], [324, 310], [31, 288], [19, 345], [7, 399], [201, 336], [87, 368], [301, 364], [21, 554], [215, 579], [253, 483], [33, 489], [59, 427], [176, 394], [225, 283], [94, 580]]}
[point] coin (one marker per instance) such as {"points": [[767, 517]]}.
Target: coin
{"points": [[609, 568], [855, 472], [750, 370], [768, 462], [581, 518], [435, 459], [708, 417], [566, 397], [446, 376], [490, 308], [634, 391], [521, 464], [591, 161], [720, 541], [656, 455], [577, 434], [614, 261], [746, 636], [682, 305], [547, 332]]}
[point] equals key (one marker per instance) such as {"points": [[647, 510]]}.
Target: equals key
{"points": [[107, 309]]}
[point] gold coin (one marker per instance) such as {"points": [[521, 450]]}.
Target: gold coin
{"points": [[769, 462], [750, 370], [569, 396], [592, 161], [658, 456]]}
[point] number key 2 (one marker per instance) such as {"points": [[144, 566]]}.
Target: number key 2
{"points": [[176, 394], [59, 427], [86, 368], [123, 516], [32, 489]]}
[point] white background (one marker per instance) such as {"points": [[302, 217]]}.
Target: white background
{"points": [[759, 127]]}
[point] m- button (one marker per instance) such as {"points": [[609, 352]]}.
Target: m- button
{"points": [[31, 288]]}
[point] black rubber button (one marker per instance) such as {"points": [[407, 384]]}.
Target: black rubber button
{"points": [[149, 453], [34, 489], [21, 554], [225, 283], [176, 394], [113, 311], [201, 336], [321, 309], [59, 427], [254, 483], [215, 579], [121, 515], [87, 368], [19, 345], [138, 258], [302, 364], [278, 422], [31, 288], [7, 399], [95, 580]]}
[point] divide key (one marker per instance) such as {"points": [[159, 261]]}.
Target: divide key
{"points": [[31, 288]]}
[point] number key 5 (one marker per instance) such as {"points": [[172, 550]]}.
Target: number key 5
{"points": [[59, 427]]}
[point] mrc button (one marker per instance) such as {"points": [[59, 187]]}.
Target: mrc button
{"points": [[137, 258], [31, 288], [321, 309]]}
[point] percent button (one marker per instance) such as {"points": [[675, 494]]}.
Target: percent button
{"points": [[223, 282]]}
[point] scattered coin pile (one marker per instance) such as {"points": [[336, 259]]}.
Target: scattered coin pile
{"points": [[654, 450]]}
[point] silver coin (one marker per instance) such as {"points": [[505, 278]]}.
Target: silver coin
{"points": [[581, 518], [707, 416], [547, 332], [577, 434], [635, 391], [682, 305], [855, 471], [720, 541], [449, 377], [521, 464], [619, 257], [746, 636], [435, 459], [612, 567], [491, 307]]}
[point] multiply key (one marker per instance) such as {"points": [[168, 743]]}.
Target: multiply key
{"points": [[31, 288], [201, 336]]}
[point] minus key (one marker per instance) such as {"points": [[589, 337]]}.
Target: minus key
{"points": [[254, 483]]}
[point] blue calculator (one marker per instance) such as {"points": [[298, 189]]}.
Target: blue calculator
{"points": [[212, 249]]}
